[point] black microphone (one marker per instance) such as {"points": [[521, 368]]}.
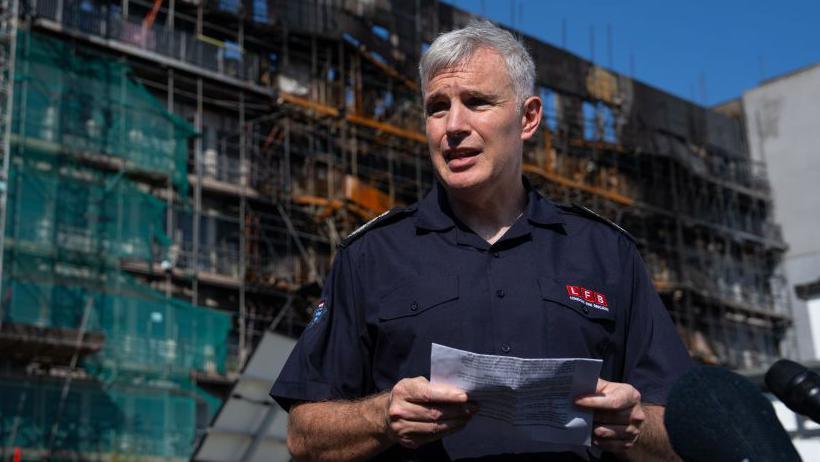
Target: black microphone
{"points": [[796, 386], [714, 415]]}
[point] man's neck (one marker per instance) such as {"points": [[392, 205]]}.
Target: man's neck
{"points": [[490, 213]]}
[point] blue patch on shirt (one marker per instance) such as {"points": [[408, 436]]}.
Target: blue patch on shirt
{"points": [[318, 313]]}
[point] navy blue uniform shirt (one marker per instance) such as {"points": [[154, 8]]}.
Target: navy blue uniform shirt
{"points": [[558, 284]]}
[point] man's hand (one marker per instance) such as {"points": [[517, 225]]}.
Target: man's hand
{"points": [[617, 415], [419, 412], [413, 413]]}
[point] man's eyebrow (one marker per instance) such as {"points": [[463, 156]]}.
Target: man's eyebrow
{"points": [[431, 96], [466, 93], [481, 94]]}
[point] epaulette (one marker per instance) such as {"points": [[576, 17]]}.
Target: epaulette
{"points": [[589, 213], [386, 217]]}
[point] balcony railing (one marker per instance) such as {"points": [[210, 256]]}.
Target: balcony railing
{"points": [[222, 260], [213, 55]]}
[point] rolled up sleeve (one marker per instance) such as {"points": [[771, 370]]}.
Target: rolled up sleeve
{"points": [[331, 360], [655, 356]]}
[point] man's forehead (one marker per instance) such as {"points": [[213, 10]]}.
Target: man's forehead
{"points": [[482, 68]]}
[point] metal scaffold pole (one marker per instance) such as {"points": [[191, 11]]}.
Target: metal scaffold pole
{"points": [[8, 46]]}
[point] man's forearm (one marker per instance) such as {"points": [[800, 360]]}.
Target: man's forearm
{"points": [[339, 430], [653, 443]]}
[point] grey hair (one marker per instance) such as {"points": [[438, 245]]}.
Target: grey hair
{"points": [[455, 47]]}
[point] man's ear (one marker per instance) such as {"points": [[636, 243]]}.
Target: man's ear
{"points": [[531, 117]]}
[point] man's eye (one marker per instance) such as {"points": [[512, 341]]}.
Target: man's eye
{"points": [[436, 107], [477, 102]]}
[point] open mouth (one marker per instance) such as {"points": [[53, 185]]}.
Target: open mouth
{"points": [[460, 153]]}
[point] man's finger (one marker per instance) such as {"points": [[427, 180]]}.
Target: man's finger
{"points": [[615, 396], [441, 393], [613, 446], [621, 416], [625, 433], [433, 428], [431, 412], [414, 434], [419, 390], [613, 401]]}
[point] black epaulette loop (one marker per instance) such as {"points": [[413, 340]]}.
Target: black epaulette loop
{"points": [[589, 213], [386, 217]]}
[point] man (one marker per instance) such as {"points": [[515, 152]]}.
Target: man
{"points": [[483, 264]]}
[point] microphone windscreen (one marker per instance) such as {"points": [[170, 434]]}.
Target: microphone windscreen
{"points": [[715, 415], [779, 376]]}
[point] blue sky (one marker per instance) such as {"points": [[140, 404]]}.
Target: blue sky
{"points": [[705, 51]]}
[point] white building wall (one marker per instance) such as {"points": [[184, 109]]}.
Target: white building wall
{"points": [[813, 308], [783, 127], [802, 431]]}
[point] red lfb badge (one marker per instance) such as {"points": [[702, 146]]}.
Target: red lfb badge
{"points": [[587, 295]]}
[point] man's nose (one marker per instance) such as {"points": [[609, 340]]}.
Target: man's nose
{"points": [[458, 126]]}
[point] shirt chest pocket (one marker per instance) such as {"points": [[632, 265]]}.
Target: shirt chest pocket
{"points": [[408, 318], [581, 318], [417, 297]]}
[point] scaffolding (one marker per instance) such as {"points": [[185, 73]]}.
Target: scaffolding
{"points": [[181, 191], [88, 147]]}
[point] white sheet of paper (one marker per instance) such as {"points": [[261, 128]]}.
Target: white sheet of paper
{"points": [[526, 405]]}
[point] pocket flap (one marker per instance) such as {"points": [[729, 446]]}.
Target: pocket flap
{"points": [[580, 297], [418, 296]]}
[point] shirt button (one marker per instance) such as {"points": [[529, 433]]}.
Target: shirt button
{"points": [[414, 306], [500, 293], [586, 310], [496, 254], [505, 348]]}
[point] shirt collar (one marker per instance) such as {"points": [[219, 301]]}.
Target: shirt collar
{"points": [[434, 213], [539, 209]]}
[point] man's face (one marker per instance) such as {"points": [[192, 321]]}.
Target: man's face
{"points": [[474, 124]]}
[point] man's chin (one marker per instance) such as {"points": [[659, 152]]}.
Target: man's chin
{"points": [[463, 183]]}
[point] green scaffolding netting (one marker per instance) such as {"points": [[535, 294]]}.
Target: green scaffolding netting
{"points": [[111, 421], [90, 144], [145, 332], [76, 101], [58, 208]]}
